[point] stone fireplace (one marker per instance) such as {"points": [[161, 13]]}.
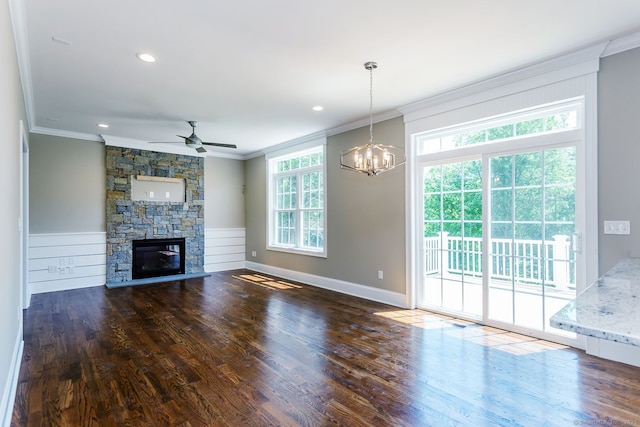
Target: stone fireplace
{"points": [[129, 220]]}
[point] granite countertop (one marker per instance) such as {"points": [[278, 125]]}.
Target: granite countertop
{"points": [[608, 309]]}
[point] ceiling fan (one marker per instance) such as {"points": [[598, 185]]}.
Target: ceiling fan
{"points": [[194, 142]]}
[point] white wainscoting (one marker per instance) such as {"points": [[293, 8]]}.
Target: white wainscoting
{"points": [[224, 249], [59, 262]]}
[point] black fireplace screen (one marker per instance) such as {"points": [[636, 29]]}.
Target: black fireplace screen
{"points": [[157, 257]]}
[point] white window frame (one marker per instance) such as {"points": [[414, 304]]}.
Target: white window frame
{"points": [[567, 77], [272, 160]]}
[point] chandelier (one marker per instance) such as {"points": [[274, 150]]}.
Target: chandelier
{"points": [[372, 159]]}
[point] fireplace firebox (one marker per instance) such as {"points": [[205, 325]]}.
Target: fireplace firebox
{"points": [[158, 257]]}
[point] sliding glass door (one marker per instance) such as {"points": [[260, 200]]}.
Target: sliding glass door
{"points": [[532, 222], [453, 237], [521, 221], [499, 219]]}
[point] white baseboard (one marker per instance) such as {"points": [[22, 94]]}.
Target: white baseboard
{"points": [[616, 351], [10, 388], [353, 289]]}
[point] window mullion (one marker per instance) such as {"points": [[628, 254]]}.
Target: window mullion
{"points": [[299, 210]]}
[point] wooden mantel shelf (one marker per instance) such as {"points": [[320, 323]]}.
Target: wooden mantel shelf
{"points": [[158, 178]]}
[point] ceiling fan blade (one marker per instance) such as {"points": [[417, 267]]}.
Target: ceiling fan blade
{"points": [[194, 142], [219, 144]]}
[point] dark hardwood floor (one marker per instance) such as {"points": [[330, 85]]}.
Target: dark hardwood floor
{"points": [[231, 351]]}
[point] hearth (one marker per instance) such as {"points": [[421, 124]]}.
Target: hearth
{"points": [[158, 257]]}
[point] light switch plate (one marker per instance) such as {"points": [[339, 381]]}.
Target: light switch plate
{"points": [[617, 227]]}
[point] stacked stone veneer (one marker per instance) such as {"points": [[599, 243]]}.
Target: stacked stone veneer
{"points": [[129, 220]]}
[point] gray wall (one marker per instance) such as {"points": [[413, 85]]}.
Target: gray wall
{"points": [[11, 112], [619, 154], [223, 193], [366, 217], [67, 185]]}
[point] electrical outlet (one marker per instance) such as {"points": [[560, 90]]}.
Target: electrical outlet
{"points": [[253, 253], [617, 227], [380, 274], [53, 269]]}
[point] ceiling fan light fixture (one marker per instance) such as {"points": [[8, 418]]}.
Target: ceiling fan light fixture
{"points": [[146, 57], [193, 141]]}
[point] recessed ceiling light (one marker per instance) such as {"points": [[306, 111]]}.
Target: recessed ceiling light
{"points": [[318, 108], [103, 125], [146, 57]]}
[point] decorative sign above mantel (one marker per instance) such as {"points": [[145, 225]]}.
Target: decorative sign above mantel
{"points": [[157, 189]]}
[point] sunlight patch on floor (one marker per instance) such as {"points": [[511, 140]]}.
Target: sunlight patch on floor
{"points": [[267, 282], [488, 336]]}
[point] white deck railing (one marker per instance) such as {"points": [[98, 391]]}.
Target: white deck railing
{"points": [[524, 261]]}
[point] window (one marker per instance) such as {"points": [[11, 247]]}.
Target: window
{"points": [[537, 121], [297, 220]]}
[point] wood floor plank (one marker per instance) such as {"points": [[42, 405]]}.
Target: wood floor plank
{"points": [[245, 349]]}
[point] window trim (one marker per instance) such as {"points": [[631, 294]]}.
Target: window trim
{"points": [[271, 175]]}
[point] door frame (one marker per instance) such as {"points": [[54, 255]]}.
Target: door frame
{"points": [[25, 291], [584, 219]]}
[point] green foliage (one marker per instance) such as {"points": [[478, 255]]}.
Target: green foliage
{"points": [[531, 194]]}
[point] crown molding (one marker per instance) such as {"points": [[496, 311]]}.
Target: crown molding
{"points": [[564, 67], [65, 133], [287, 144], [622, 44], [132, 143], [21, 40], [381, 117]]}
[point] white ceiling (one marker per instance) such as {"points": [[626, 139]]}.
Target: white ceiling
{"points": [[250, 71]]}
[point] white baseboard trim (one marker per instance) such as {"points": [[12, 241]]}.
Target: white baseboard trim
{"points": [[11, 387], [67, 285], [612, 350], [348, 288], [213, 268]]}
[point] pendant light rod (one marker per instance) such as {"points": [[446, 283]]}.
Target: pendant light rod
{"points": [[371, 66]]}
